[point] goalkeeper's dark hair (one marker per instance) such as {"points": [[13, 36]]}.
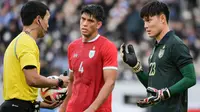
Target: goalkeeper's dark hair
{"points": [[94, 10], [155, 8], [31, 10]]}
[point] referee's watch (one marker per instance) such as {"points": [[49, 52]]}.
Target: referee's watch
{"points": [[60, 82]]}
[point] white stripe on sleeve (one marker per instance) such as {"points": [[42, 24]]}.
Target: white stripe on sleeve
{"points": [[110, 67], [70, 70]]}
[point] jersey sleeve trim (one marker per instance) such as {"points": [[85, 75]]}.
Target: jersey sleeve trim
{"points": [[187, 63], [70, 70], [15, 48], [110, 67]]}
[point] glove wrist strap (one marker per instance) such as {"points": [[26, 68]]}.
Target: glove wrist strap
{"points": [[165, 94], [137, 68]]}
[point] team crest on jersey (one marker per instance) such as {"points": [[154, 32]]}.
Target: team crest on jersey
{"points": [[75, 55], [161, 52], [91, 53]]}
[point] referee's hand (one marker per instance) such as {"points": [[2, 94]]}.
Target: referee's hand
{"points": [[65, 80]]}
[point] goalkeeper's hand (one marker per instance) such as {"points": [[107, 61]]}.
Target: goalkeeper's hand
{"points": [[155, 97], [130, 57], [62, 93]]}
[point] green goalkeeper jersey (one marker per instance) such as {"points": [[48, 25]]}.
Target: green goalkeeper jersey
{"points": [[166, 63]]}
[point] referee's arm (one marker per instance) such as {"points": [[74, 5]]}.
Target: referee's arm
{"points": [[35, 80]]}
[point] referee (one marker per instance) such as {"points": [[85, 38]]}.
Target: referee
{"points": [[21, 78]]}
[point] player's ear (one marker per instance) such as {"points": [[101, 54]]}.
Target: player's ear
{"points": [[99, 24], [162, 18]]}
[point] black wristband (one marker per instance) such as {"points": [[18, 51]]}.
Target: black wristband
{"points": [[36, 106], [60, 82]]}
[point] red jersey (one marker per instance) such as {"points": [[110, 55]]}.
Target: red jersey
{"points": [[87, 60]]}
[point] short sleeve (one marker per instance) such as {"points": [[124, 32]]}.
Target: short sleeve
{"points": [[68, 57], [109, 54], [27, 56], [181, 55]]}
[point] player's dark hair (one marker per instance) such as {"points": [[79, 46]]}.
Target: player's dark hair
{"points": [[94, 10], [31, 10], [155, 8]]}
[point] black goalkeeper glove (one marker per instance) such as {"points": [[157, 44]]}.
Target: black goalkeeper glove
{"points": [[155, 97], [130, 58]]}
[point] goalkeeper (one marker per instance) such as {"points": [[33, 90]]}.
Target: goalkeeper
{"points": [[171, 69]]}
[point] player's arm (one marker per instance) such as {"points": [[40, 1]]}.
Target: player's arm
{"points": [[69, 93], [183, 60], [188, 80], [71, 80], [109, 78], [143, 78], [109, 60], [131, 59]]}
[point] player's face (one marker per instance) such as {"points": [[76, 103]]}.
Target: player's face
{"points": [[88, 25], [44, 24], [152, 26]]}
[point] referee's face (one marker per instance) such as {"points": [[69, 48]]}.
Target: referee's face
{"points": [[153, 26], [43, 24]]}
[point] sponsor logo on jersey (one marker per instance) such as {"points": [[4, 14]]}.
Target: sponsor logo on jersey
{"points": [[91, 53], [161, 52]]}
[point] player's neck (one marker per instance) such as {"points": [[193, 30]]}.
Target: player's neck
{"points": [[162, 34], [31, 31], [87, 39]]}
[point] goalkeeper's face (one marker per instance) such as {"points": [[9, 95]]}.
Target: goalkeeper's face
{"points": [[153, 25], [89, 25]]}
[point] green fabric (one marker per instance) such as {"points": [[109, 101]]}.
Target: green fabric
{"points": [[167, 62], [180, 55], [143, 77], [188, 80]]}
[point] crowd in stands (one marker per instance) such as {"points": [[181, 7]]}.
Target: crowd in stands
{"points": [[122, 25]]}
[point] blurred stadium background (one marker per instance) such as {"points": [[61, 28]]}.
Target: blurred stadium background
{"points": [[122, 24]]}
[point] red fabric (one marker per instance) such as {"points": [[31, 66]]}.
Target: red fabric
{"points": [[87, 61], [194, 110]]}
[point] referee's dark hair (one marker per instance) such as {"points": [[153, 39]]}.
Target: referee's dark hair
{"points": [[31, 10]]}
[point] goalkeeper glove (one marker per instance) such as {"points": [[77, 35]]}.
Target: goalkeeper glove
{"points": [[62, 93], [155, 97], [130, 58]]}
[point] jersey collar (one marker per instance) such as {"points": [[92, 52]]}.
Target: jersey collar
{"points": [[94, 38], [28, 35], [165, 38]]}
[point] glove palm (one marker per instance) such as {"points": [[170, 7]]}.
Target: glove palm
{"points": [[155, 97]]}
